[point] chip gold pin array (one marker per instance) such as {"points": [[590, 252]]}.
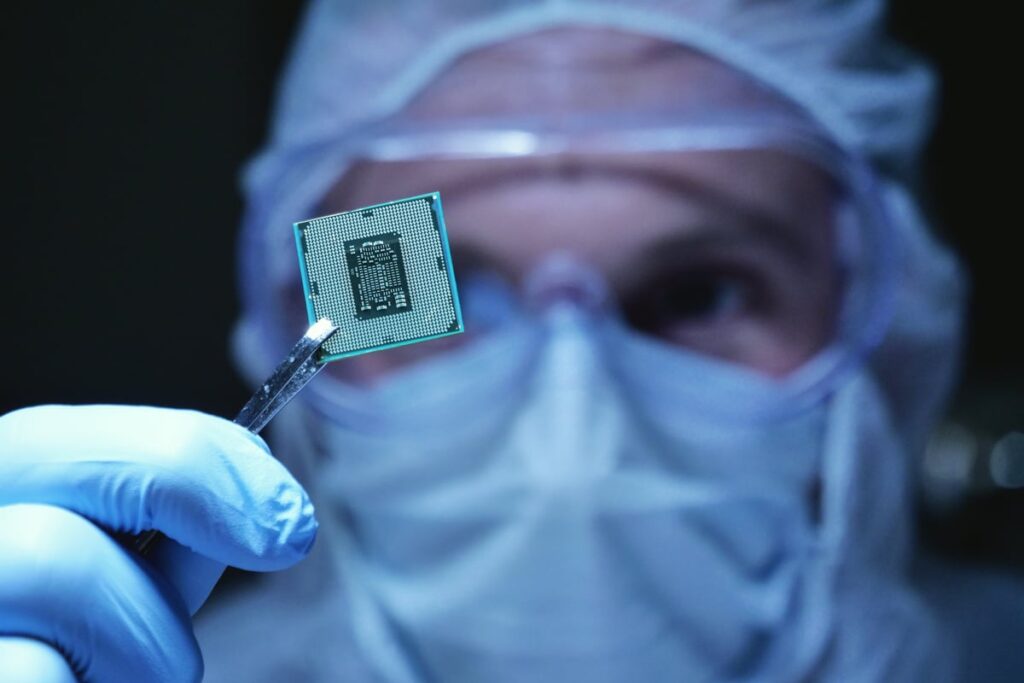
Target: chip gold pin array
{"points": [[382, 274]]}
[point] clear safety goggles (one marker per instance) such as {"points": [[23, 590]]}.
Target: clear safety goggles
{"points": [[866, 246]]}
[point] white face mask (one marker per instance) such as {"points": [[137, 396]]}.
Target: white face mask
{"points": [[567, 500]]}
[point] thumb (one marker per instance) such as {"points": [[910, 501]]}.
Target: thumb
{"points": [[192, 574]]}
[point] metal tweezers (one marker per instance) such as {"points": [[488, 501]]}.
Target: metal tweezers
{"points": [[287, 380]]}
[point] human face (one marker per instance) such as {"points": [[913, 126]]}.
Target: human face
{"points": [[730, 254]]}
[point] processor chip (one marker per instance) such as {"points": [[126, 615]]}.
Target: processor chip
{"points": [[382, 274]]}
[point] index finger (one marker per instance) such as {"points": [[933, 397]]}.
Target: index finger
{"points": [[201, 480]]}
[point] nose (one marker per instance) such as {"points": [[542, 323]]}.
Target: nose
{"points": [[562, 278]]}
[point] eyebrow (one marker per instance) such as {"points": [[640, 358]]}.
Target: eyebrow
{"points": [[677, 250]]}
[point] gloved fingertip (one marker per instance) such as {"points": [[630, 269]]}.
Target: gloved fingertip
{"points": [[294, 531], [296, 550], [303, 542]]}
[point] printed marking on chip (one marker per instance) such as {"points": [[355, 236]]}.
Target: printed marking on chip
{"points": [[383, 274]]}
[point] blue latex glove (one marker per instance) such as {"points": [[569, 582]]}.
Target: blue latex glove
{"points": [[72, 600]]}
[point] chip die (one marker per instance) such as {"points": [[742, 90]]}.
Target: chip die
{"points": [[379, 284], [382, 274]]}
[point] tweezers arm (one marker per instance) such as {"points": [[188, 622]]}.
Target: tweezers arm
{"points": [[301, 365]]}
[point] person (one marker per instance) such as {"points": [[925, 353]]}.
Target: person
{"points": [[707, 333]]}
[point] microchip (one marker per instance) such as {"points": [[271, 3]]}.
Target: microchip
{"points": [[382, 274]]}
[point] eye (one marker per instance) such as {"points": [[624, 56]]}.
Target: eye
{"points": [[664, 305]]}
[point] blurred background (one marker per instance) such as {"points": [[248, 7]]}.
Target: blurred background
{"points": [[128, 124]]}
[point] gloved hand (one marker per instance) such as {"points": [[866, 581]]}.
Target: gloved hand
{"points": [[75, 602]]}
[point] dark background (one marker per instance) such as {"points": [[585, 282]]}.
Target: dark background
{"points": [[127, 126]]}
